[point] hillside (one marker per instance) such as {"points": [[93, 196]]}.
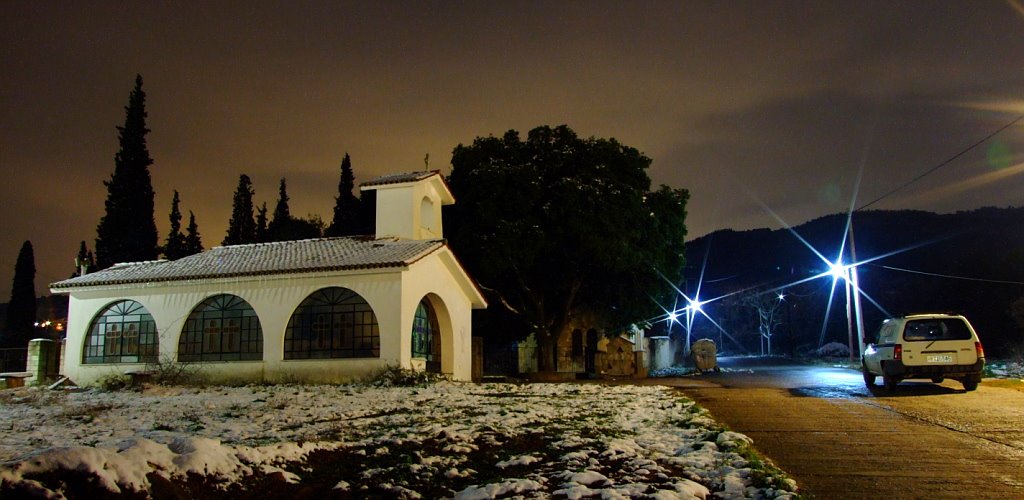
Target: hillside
{"points": [[984, 245]]}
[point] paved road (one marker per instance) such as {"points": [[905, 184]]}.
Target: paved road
{"points": [[840, 440]]}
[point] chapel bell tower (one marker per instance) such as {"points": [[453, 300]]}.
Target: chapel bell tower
{"points": [[409, 205]]}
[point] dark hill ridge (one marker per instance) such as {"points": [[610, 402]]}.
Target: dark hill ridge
{"points": [[986, 244]]}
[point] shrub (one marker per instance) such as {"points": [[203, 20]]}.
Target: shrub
{"points": [[394, 376], [833, 350], [167, 371], [114, 382]]}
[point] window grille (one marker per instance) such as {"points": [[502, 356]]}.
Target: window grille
{"points": [[124, 332], [221, 328], [426, 336], [332, 322]]}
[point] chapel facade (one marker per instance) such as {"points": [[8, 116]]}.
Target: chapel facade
{"points": [[320, 310]]}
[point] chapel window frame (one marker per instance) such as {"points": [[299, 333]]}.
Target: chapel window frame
{"points": [[222, 327], [332, 323], [124, 332]]}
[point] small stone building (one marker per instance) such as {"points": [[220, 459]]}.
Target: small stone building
{"points": [[323, 310], [587, 354]]}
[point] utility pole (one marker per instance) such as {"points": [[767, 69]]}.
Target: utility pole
{"points": [[849, 311], [858, 312]]}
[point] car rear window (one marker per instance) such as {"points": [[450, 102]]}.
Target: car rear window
{"points": [[936, 329]]}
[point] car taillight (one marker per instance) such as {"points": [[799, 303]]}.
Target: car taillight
{"points": [[978, 349], [897, 352]]}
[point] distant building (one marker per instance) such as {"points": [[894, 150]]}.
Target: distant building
{"points": [[321, 310]]}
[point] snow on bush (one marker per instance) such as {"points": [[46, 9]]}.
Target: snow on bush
{"points": [[833, 350]]}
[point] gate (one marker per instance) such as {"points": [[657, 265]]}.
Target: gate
{"points": [[13, 359]]}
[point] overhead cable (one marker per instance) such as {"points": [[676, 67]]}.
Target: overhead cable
{"points": [[943, 164]]}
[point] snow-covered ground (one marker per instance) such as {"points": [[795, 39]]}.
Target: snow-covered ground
{"points": [[1006, 368], [441, 440]]}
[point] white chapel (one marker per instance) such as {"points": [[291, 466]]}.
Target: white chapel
{"points": [[320, 310]]}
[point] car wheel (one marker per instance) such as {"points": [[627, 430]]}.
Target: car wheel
{"points": [[890, 383], [937, 380], [869, 378], [969, 384]]}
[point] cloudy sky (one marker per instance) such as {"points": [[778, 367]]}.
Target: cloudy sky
{"points": [[746, 104]]}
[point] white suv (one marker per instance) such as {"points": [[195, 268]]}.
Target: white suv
{"points": [[929, 346]]}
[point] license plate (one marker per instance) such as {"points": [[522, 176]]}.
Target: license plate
{"points": [[940, 358]]}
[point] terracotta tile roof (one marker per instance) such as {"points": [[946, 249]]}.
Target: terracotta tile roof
{"points": [[400, 178], [304, 256]]}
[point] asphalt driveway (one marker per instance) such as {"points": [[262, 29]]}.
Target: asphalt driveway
{"points": [[840, 440]]}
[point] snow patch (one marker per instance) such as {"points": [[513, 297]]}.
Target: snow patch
{"points": [[496, 489], [521, 460]]}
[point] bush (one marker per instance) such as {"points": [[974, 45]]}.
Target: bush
{"points": [[833, 350], [114, 382], [167, 371], [394, 376]]}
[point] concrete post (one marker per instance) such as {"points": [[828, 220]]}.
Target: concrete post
{"points": [[43, 361]]}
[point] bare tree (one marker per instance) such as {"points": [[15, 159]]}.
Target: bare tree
{"points": [[768, 306]]}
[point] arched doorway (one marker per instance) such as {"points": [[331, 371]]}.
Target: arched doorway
{"points": [[426, 336]]}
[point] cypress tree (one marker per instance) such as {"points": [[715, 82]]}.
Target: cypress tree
{"points": [[367, 223], [279, 226], [21, 310], [84, 258], [241, 227], [127, 232], [193, 242], [347, 211], [174, 247], [261, 224]]}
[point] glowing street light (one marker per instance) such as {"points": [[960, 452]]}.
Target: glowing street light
{"points": [[838, 270]]}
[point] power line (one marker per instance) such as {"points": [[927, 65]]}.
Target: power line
{"points": [[949, 275], [943, 164]]}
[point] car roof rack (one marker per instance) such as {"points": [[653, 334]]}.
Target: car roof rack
{"points": [[933, 313]]}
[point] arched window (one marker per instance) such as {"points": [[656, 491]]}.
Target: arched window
{"points": [[428, 219], [332, 323], [426, 336], [124, 332], [221, 328]]}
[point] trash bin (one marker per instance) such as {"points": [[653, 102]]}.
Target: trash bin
{"points": [[704, 355]]}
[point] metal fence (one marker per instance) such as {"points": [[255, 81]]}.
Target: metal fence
{"points": [[13, 359], [512, 360], [501, 360]]}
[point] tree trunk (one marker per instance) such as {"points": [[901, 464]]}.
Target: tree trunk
{"points": [[547, 351]]}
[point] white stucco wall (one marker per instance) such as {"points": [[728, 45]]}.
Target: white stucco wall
{"points": [[401, 210], [434, 280], [393, 295]]}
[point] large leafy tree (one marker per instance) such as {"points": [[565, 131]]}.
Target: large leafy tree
{"points": [[174, 246], [347, 213], [21, 310], [242, 226], [559, 229], [127, 232]]}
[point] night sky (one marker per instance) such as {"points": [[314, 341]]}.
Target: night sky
{"points": [[742, 103]]}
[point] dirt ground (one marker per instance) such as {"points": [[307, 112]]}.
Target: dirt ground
{"points": [[840, 440]]}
